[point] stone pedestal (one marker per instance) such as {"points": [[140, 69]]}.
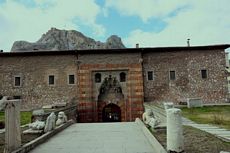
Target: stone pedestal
{"points": [[175, 140], [12, 125], [168, 105], [194, 102]]}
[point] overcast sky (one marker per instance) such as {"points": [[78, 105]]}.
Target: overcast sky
{"points": [[150, 23]]}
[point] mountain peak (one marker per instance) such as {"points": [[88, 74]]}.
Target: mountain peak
{"points": [[56, 39]]}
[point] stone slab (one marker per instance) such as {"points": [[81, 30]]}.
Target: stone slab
{"points": [[47, 107], [30, 131], [194, 102], [202, 126], [217, 130], [125, 137]]}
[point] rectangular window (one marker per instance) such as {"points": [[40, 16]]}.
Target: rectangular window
{"points": [[51, 79], [17, 81], [172, 75], [204, 74], [71, 79], [150, 75]]}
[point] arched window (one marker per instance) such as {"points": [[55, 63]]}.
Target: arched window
{"points": [[122, 77], [97, 77]]}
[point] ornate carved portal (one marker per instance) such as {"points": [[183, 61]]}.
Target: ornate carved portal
{"points": [[110, 100]]}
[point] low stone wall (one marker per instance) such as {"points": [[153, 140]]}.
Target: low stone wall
{"points": [[31, 145], [158, 148]]}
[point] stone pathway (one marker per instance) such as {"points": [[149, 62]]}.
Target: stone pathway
{"points": [[218, 132], [125, 137]]}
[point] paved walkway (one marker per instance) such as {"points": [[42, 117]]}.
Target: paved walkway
{"points": [[125, 137], [218, 132]]}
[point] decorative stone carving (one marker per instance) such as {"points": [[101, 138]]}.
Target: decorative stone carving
{"points": [[50, 122], [37, 125], [148, 118], [175, 140], [38, 115], [62, 118]]}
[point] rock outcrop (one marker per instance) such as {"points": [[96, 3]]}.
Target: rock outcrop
{"points": [[56, 39]]}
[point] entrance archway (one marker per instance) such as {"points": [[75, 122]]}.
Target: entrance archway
{"points": [[111, 113]]}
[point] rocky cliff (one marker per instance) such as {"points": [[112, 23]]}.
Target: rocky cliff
{"points": [[56, 39]]}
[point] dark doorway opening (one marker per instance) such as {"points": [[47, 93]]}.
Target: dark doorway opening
{"points": [[111, 113]]}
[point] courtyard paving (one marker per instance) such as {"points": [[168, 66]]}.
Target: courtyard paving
{"points": [[123, 137]]}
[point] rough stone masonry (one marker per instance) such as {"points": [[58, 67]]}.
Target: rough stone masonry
{"points": [[127, 77]]}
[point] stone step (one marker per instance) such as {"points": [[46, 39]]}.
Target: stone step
{"points": [[224, 135], [219, 133], [204, 126], [215, 129]]}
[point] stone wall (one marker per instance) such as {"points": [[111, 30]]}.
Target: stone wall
{"points": [[188, 83], [34, 71], [35, 91]]}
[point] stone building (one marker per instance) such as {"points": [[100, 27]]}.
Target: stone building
{"points": [[112, 84]]}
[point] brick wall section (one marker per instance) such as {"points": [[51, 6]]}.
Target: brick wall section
{"points": [[188, 83], [34, 70]]}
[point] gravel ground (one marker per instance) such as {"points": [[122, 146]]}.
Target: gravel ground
{"points": [[25, 138], [196, 141]]}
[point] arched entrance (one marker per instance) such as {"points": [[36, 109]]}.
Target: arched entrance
{"points": [[111, 113], [110, 101]]}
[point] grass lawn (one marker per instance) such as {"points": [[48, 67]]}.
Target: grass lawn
{"points": [[216, 115], [25, 117]]}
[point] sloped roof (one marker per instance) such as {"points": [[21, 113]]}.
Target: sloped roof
{"points": [[124, 50]]}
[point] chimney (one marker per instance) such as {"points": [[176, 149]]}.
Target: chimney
{"points": [[188, 42], [137, 45]]}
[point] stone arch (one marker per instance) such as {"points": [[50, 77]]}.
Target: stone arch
{"points": [[111, 113]]}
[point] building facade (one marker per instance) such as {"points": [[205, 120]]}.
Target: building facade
{"points": [[111, 85]]}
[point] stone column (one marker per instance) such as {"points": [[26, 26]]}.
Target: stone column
{"points": [[168, 105], [12, 122], [175, 141]]}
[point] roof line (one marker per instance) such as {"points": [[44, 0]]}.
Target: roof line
{"points": [[122, 50]]}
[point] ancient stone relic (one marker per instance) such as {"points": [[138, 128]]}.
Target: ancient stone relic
{"points": [[50, 122], [37, 125], [148, 118], [175, 139], [62, 118], [12, 120], [168, 105]]}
